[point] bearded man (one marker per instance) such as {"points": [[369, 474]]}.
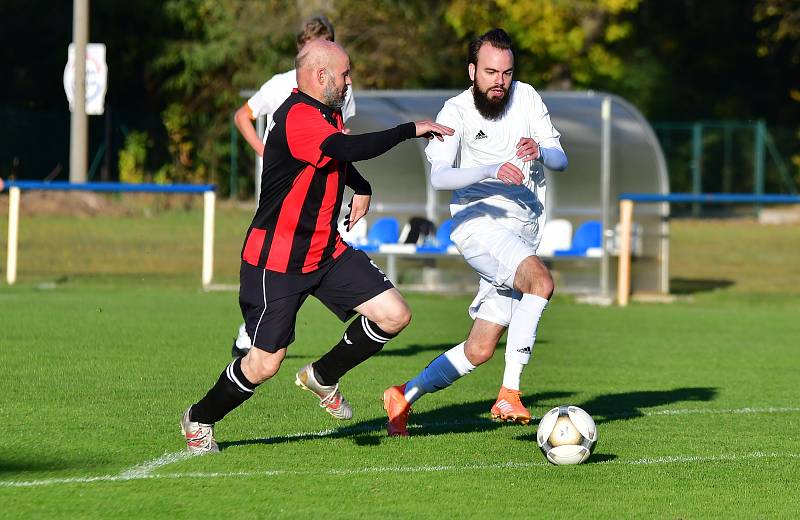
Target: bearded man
{"points": [[503, 137]]}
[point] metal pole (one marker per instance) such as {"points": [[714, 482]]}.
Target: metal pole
{"points": [[727, 170], [605, 189], [234, 179], [105, 172], [624, 267], [13, 233], [758, 161], [697, 164], [209, 199], [79, 128]]}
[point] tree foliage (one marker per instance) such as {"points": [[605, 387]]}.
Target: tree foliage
{"points": [[400, 44], [223, 46], [569, 44], [189, 60], [779, 36]]}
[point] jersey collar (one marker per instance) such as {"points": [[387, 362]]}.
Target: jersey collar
{"points": [[325, 109]]}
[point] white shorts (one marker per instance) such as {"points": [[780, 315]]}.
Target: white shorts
{"points": [[495, 252]]}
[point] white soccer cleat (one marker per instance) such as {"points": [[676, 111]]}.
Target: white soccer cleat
{"points": [[199, 436], [330, 398], [241, 345]]}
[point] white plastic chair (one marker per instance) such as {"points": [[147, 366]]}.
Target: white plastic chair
{"points": [[557, 234]]}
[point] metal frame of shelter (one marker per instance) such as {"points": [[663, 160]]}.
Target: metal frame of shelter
{"points": [[612, 149]]}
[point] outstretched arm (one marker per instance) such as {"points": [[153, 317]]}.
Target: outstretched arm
{"points": [[361, 147]]}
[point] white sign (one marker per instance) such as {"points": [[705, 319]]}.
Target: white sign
{"points": [[96, 77]]}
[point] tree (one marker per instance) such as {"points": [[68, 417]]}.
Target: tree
{"points": [[779, 41], [400, 44], [223, 46], [562, 44]]}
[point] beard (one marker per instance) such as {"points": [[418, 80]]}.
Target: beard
{"points": [[334, 97], [490, 108]]}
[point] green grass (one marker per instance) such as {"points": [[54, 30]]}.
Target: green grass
{"points": [[697, 409], [107, 338]]}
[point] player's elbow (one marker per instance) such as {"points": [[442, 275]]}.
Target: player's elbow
{"points": [[241, 116], [439, 177], [437, 183]]}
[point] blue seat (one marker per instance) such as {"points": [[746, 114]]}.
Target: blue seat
{"points": [[589, 235], [385, 230], [442, 241]]}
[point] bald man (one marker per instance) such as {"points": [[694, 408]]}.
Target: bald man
{"points": [[292, 248]]}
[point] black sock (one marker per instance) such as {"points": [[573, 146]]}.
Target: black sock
{"points": [[231, 390], [362, 339]]}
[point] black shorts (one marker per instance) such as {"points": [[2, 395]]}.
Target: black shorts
{"points": [[270, 300]]}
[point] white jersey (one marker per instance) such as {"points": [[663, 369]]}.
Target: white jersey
{"points": [[482, 142], [274, 92]]}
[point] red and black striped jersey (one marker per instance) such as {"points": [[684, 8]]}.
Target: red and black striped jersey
{"points": [[294, 229]]}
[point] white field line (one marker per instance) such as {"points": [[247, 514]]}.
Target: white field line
{"points": [[511, 465], [145, 470]]}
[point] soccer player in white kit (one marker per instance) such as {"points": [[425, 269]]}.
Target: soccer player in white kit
{"points": [[494, 165], [269, 97]]}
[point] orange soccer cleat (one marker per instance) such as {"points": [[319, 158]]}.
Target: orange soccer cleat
{"points": [[509, 408], [397, 408]]}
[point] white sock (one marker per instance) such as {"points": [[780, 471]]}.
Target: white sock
{"points": [[441, 373], [243, 339], [521, 337], [512, 373]]}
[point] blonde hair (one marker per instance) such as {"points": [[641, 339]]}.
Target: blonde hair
{"points": [[313, 28]]}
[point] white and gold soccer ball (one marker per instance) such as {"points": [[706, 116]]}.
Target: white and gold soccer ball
{"points": [[566, 435]]}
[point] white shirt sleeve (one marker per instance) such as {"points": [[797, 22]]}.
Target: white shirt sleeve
{"points": [[349, 107], [270, 96], [445, 177], [545, 134], [443, 156]]}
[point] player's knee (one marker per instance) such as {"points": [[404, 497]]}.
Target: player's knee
{"points": [[547, 286], [259, 365], [537, 280], [396, 318], [479, 352]]}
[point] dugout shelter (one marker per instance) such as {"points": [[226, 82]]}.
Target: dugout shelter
{"points": [[611, 148]]}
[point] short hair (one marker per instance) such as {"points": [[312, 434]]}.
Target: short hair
{"points": [[497, 38], [313, 28]]}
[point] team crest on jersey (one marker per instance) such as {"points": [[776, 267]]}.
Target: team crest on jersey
{"points": [[480, 135]]}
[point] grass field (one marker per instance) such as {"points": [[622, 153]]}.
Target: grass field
{"points": [[696, 402]]}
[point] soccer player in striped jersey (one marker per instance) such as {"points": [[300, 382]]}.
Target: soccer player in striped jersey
{"points": [[494, 165], [265, 102], [293, 250]]}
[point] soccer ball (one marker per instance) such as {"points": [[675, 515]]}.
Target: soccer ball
{"points": [[566, 435]]}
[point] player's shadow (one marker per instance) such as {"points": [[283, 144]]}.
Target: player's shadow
{"points": [[692, 286], [22, 466], [459, 418], [631, 405], [414, 349], [410, 350]]}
